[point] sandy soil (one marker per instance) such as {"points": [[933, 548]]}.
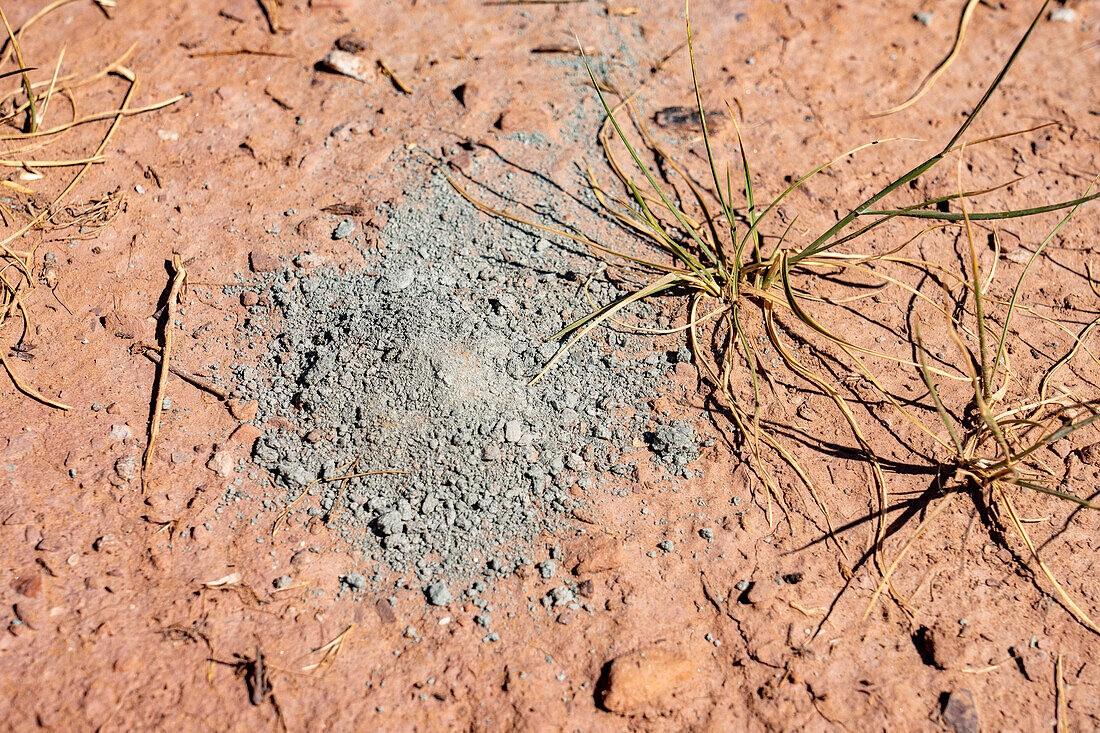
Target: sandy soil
{"points": [[117, 609]]}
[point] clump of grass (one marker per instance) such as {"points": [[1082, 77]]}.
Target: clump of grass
{"points": [[24, 111], [744, 287], [992, 452]]}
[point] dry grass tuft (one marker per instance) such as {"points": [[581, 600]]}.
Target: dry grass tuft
{"points": [[42, 197]]}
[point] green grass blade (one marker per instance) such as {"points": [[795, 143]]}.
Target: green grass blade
{"points": [[722, 200], [927, 377], [1053, 492], [983, 215], [1051, 438], [688, 258], [822, 242]]}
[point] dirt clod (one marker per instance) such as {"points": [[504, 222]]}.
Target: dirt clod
{"points": [[261, 261], [645, 680], [941, 646], [960, 713], [30, 587], [243, 409]]}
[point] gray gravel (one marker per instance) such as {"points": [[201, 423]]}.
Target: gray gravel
{"points": [[419, 362]]}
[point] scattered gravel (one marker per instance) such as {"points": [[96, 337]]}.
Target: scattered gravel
{"points": [[420, 363]]}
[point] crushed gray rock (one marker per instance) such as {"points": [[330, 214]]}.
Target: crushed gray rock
{"points": [[355, 581], [676, 444], [438, 594], [420, 363], [344, 229]]}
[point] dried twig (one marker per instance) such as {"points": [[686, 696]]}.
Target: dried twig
{"points": [[152, 353], [176, 292], [388, 73]]}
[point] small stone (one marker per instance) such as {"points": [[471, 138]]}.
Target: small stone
{"points": [[349, 65], [647, 679], [385, 612], [960, 713], [243, 409], [924, 17], [249, 299], [245, 434], [438, 594], [561, 596], [355, 581], [261, 261], [491, 452], [397, 281], [941, 646], [30, 587], [665, 545], [114, 408], [523, 119], [30, 613], [283, 581], [513, 431], [1034, 663], [222, 463], [707, 533], [1063, 15], [467, 93], [344, 229], [108, 544], [547, 568], [126, 468], [390, 523], [687, 119], [121, 432], [761, 593], [602, 554], [351, 43]]}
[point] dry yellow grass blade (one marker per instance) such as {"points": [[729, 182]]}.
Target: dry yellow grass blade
{"points": [[30, 391], [1073, 608], [935, 74], [329, 651], [1059, 696]]}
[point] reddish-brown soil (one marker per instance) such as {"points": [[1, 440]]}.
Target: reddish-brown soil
{"points": [[113, 616]]}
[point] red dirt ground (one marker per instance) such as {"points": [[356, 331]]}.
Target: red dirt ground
{"points": [[112, 627]]}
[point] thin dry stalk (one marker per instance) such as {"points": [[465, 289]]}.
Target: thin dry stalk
{"points": [[176, 292]]}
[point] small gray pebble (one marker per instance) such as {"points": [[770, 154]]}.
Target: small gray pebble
{"points": [[343, 229], [438, 594]]}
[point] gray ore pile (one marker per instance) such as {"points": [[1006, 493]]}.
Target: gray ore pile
{"points": [[420, 363]]}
